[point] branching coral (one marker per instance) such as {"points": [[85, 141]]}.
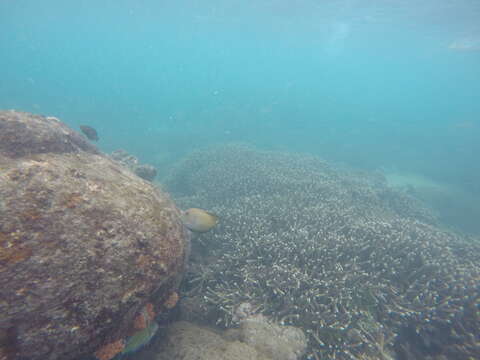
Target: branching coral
{"points": [[326, 249]]}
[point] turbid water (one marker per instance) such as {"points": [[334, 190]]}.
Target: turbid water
{"points": [[371, 84], [387, 89]]}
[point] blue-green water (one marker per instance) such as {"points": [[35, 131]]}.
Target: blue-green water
{"points": [[389, 85]]}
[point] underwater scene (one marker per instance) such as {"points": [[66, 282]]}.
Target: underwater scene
{"points": [[240, 180]]}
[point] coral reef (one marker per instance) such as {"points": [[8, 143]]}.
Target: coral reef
{"points": [[145, 171], [366, 271], [84, 244], [456, 207]]}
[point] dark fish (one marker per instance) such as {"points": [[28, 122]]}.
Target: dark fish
{"points": [[89, 132]]}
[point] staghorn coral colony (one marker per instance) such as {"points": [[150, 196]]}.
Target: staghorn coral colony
{"points": [[365, 271]]}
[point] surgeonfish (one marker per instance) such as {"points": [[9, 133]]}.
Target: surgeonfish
{"points": [[198, 220], [89, 132]]}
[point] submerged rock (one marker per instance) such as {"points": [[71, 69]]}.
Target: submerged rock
{"points": [[275, 341], [145, 171], [186, 341], [24, 134], [84, 244]]}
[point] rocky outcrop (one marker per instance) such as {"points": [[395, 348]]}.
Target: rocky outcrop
{"points": [[85, 245]]}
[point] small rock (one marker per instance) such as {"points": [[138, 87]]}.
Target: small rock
{"points": [[186, 341], [274, 341], [145, 171]]}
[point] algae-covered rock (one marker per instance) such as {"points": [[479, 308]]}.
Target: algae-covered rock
{"points": [[84, 244], [273, 340], [145, 171], [186, 341], [257, 338]]}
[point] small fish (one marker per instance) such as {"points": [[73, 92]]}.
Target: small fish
{"points": [[89, 132], [198, 220]]}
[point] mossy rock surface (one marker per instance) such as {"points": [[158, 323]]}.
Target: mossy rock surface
{"points": [[84, 243], [187, 341]]}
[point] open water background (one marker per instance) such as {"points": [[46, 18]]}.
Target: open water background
{"points": [[383, 85]]}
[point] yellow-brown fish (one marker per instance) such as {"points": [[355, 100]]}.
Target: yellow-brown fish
{"points": [[199, 220]]}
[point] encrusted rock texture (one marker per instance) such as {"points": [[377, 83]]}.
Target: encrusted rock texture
{"points": [[275, 341], [366, 271], [187, 341], [256, 339], [84, 243], [145, 171]]}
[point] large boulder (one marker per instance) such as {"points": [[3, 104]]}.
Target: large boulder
{"points": [[87, 248]]}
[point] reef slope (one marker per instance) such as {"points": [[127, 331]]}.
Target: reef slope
{"points": [[366, 271]]}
